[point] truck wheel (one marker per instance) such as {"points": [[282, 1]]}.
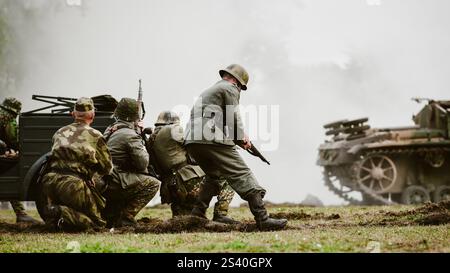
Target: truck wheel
{"points": [[442, 193], [32, 179], [41, 202], [414, 195]]}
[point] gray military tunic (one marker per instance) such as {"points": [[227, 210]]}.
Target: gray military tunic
{"points": [[214, 124], [129, 156], [131, 186]]}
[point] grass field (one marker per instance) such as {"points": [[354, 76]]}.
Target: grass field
{"points": [[327, 229]]}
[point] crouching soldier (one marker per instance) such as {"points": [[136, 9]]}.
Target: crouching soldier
{"points": [[180, 178], [130, 187], [79, 153], [9, 146]]}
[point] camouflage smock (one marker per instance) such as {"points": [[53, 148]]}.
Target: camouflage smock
{"points": [[80, 149], [8, 129]]}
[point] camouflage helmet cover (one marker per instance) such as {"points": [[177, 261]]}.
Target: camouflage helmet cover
{"points": [[84, 104], [127, 109], [12, 105], [166, 118], [238, 72]]}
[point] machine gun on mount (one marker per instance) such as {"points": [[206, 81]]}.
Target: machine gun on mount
{"points": [[104, 104]]}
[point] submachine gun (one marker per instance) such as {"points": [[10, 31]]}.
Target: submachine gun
{"points": [[253, 151]]}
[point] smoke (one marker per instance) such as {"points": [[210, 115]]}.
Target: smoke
{"points": [[318, 60]]}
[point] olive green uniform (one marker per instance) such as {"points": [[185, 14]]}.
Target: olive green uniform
{"points": [[181, 180], [17, 207], [79, 153], [9, 135], [130, 187], [8, 129]]}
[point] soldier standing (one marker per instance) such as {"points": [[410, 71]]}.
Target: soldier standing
{"points": [[79, 154], [130, 187], [215, 126], [181, 178], [9, 146]]}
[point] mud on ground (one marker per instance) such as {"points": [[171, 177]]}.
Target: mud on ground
{"points": [[428, 214]]}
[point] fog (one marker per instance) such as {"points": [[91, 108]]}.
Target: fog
{"points": [[320, 61]]}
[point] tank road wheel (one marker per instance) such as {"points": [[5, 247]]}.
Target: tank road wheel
{"points": [[377, 174], [413, 195], [442, 193]]}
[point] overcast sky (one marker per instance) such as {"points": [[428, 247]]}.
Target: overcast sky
{"points": [[318, 61]]}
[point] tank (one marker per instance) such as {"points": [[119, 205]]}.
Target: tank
{"points": [[407, 165]]}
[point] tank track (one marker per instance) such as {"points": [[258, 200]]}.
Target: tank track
{"points": [[368, 191], [339, 192]]}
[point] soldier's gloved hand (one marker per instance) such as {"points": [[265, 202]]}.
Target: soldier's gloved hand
{"points": [[11, 153]]}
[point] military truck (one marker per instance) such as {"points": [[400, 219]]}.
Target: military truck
{"points": [[18, 175], [408, 165]]}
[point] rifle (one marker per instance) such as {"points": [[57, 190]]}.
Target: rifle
{"points": [[141, 102], [141, 111], [254, 151]]}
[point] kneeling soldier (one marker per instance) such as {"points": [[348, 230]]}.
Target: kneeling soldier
{"points": [[130, 187], [79, 153]]}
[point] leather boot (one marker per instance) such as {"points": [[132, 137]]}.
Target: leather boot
{"points": [[263, 221], [25, 218], [125, 222], [205, 195], [225, 219], [52, 215]]}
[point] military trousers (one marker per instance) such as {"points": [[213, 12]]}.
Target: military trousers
{"points": [[221, 162], [127, 202], [80, 204], [184, 205], [18, 207]]}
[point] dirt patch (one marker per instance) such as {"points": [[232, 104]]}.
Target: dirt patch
{"points": [[427, 214], [301, 215], [148, 225], [192, 224], [269, 204], [181, 224], [23, 228]]}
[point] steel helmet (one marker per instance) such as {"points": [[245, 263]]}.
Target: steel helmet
{"points": [[238, 72], [127, 109], [166, 118], [12, 105]]}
